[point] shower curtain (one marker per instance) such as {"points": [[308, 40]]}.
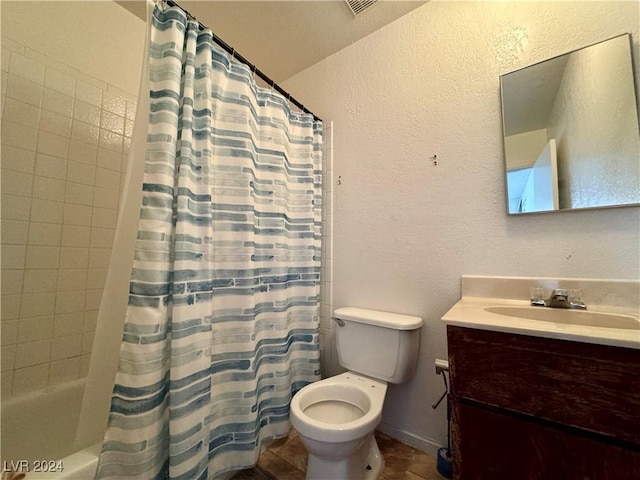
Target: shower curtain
{"points": [[222, 322]]}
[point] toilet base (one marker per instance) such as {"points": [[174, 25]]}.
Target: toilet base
{"points": [[365, 463]]}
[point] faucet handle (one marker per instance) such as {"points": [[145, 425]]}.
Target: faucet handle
{"points": [[575, 299], [537, 297]]}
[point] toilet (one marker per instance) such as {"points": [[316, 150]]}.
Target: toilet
{"points": [[335, 418]]}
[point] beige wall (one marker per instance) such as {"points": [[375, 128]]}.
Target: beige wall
{"points": [[405, 230], [66, 130]]}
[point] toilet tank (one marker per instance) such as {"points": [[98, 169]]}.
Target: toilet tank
{"points": [[381, 345]]}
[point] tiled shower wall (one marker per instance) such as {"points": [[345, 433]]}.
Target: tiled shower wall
{"points": [[326, 270], [65, 140]]}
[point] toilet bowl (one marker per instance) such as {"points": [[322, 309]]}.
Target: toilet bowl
{"points": [[336, 417]]}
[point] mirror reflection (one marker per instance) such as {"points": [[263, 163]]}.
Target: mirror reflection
{"points": [[571, 135]]}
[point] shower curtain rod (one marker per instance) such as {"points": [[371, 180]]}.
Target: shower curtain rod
{"points": [[254, 69]]}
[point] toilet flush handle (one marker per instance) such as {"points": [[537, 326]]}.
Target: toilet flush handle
{"points": [[339, 321]]}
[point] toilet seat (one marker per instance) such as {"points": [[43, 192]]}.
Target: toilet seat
{"points": [[338, 409]]}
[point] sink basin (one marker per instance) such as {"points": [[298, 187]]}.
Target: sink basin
{"points": [[573, 317]]}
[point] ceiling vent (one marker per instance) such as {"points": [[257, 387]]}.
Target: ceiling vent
{"points": [[359, 6]]}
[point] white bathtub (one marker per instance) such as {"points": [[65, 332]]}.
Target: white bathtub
{"points": [[41, 427]]}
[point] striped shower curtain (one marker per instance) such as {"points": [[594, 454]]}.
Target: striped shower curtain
{"points": [[222, 323]]}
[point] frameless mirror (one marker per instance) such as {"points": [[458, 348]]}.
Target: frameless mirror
{"points": [[571, 136]]}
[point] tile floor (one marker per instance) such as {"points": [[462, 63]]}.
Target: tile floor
{"points": [[286, 459]]}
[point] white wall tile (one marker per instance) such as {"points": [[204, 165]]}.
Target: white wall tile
{"points": [[40, 280], [79, 194], [21, 136], [52, 118], [81, 173], [4, 57], [85, 361], [70, 302], [51, 144], [35, 328], [66, 347], [109, 159], [48, 189], [89, 94], [42, 257], [77, 214], [30, 378], [87, 342], [131, 111], [107, 178], [73, 257], [90, 321], [104, 217], [60, 81], [37, 304], [32, 353], [57, 102], [21, 113], [114, 103], [24, 90], [14, 232], [71, 279], [102, 237], [15, 207], [92, 299], [10, 306], [9, 332], [112, 122], [6, 384], [17, 183], [64, 370], [85, 133], [7, 360], [111, 141], [13, 256], [27, 68], [44, 233], [18, 159], [86, 113], [68, 324], [47, 211], [51, 167], [12, 280], [96, 278], [99, 257], [128, 128], [83, 152], [106, 198], [55, 123], [76, 236]]}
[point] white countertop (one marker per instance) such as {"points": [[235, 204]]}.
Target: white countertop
{"points": [[469, 312]]}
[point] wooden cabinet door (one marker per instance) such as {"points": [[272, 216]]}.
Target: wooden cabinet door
{"points": [[489, 445]]}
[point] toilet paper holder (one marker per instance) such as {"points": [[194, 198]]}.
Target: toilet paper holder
{"points": [[441, 367]]}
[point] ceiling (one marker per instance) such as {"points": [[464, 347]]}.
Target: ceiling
{"points": [[528, 95], [283, 38]]}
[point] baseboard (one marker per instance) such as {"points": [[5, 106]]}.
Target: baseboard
{"points": [[425, 444]]}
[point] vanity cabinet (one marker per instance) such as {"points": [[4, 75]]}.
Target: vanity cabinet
{"points": [[527, 407]]}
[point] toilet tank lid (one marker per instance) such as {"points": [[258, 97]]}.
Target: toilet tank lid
{"points": [[395, 321]]}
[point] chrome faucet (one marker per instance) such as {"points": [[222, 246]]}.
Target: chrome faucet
{"points": [[559, 298]]}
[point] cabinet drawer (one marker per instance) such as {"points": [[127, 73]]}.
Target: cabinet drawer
{"points": [[591, 387]]}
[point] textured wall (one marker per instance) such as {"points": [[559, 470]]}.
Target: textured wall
{"points": [[405, 230], [599, 138]]}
